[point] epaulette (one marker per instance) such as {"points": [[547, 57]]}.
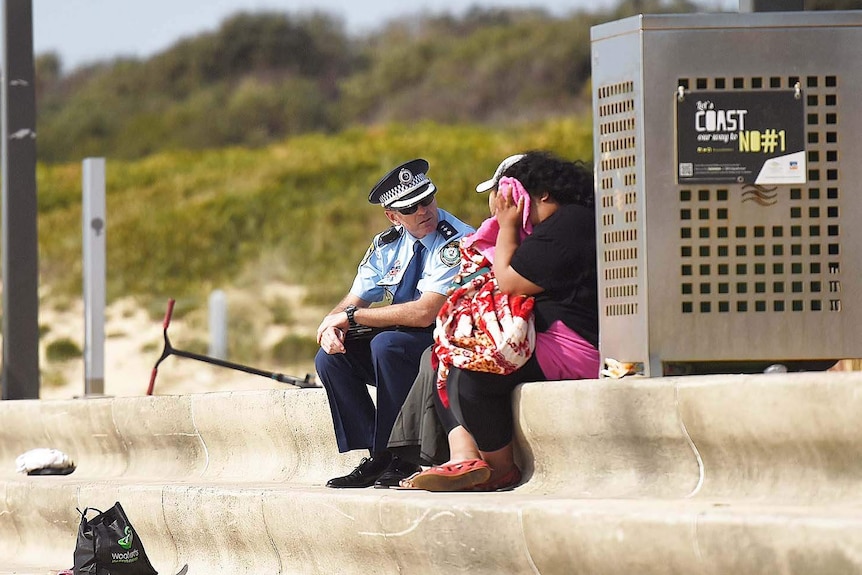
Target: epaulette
{"points": [[446, 230], [389, 236]]}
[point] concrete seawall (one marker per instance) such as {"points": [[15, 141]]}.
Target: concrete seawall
{"points": [[711, 474]]}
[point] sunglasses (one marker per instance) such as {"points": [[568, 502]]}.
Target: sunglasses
{"points": [[426, 201]]}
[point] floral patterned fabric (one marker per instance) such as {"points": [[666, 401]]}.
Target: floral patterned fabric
{"points": [[479, 328]]}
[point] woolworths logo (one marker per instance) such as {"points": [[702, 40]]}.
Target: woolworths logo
{"points": [[126, 542], [127, 557]]}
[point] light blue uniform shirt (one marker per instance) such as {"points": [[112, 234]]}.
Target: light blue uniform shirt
{"points": [[384, 263]]}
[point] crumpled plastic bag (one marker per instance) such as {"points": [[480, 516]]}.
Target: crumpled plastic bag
{"points": [[44, 461]]}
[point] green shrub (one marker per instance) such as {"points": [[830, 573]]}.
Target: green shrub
{"points": [[282, 313], [293, 349], [52, 378], [181, 223], [62, 349]]}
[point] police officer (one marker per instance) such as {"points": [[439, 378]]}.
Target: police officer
{"points": [[405, 275]]}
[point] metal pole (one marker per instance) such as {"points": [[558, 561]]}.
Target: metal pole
{"points": [[218, 324], [20, 268], [93, 223]]}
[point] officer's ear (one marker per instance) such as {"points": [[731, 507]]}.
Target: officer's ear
{"points": [[393, 217]]}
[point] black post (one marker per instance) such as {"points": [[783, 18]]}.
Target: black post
{"points": [[20, 268]]}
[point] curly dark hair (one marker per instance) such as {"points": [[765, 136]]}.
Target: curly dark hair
{"points": [[566, 182]]}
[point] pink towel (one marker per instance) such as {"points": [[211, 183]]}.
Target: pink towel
{"points": [[485, 238]]}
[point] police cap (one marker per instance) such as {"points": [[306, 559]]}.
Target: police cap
{"points": [[403, 186]]}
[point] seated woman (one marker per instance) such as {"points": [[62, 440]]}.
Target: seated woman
{"points": [[556, 264], [425, 430]]}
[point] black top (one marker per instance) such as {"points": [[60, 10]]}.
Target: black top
{"points": [[560, 257]]}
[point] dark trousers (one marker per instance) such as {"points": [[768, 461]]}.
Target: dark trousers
{"points": [[482, 402], [389, 361]]}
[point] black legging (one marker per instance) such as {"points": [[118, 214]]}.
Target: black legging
{"points": [[482, 403], [447, 418]]}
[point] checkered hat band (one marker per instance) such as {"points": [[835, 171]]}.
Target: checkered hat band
{"points": [[417, 182]]}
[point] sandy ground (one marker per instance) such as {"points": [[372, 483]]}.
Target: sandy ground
{"points": [[134, 342]]}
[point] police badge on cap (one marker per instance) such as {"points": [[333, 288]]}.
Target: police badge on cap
{"points": [[403, 186]]}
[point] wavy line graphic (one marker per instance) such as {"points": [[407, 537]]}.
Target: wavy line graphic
{"points": [[760, 195]]}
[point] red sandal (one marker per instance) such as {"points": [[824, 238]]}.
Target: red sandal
{"points": [[505, 483], [459, 476]]}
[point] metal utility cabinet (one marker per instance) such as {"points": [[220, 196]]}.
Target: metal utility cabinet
{"points": [[729, 190]]}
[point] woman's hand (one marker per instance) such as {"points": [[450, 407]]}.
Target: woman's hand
{"points": [[509, 214]]}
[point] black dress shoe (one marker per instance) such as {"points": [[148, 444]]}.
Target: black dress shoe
{"points": [[365, 474], [399, 469]]}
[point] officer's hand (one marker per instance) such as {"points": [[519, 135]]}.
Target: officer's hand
{"points": [[337, 319], [332, 340]]}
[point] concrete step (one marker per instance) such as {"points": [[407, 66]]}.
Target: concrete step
{"points": [[30, 570], [265, 529], [269, 435], [713, 474], [790, 437]]}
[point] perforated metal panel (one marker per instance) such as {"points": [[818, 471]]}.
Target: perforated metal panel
{"points": [[618, 190], [717, 277]]}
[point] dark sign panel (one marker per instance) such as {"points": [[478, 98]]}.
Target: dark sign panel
{"points": [[753, 137]]}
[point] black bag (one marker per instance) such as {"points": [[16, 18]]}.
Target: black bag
{"points": [[109, 545]]}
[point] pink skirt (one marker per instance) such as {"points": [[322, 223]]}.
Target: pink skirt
{"points": [[563, 354]]}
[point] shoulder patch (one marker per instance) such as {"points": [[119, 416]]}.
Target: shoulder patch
{"points": [[445, 229], [367, 255], [450, 254], [389, 236]]}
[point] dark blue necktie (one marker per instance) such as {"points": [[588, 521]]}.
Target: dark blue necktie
{"points": [[406, 290]]}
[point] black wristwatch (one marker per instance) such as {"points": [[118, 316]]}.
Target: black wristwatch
{"points": [[350, 310]]}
